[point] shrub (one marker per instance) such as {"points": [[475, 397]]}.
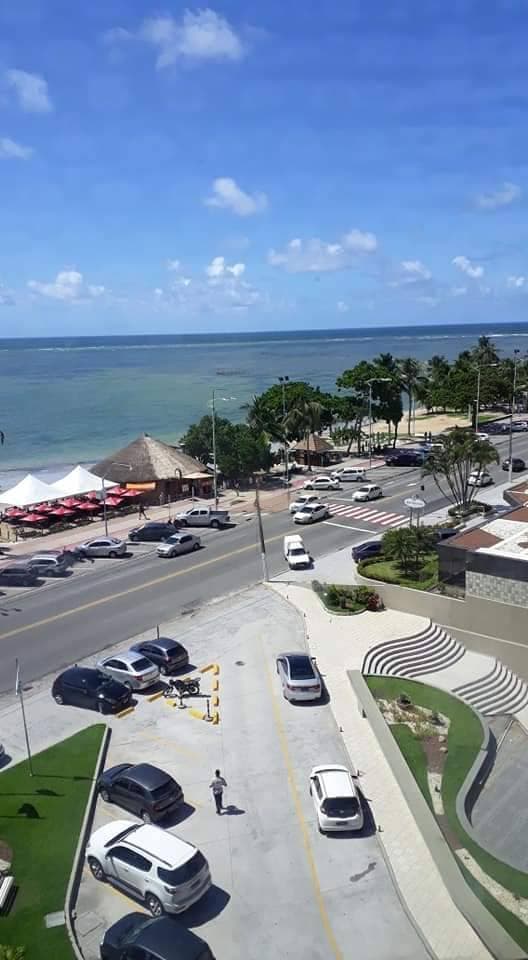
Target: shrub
{"points": [[317, 587], [374, 602]]}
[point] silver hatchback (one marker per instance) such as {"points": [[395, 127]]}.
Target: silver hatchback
{"points": [[130, 668], [103, 547]]}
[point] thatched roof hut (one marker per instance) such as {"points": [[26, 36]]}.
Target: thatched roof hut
{"points": [[153, 462], [314, 450]]}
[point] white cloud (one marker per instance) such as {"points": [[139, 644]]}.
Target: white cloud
{"points": [[459, 291], [219, 268], [200, 36], [173, 265], [473, 270], [10, 149], [116, 35], [31, 91], [67, 286], [6, 297], [316, 256], [342, 307], [503, 197], [229, 196], [416, 269], [429, 300], [516, 282]]}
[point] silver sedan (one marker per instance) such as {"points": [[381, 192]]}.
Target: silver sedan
{"points": [[103, 547], [179, 543], [130, 668]]}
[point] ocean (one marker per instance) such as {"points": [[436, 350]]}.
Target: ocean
{"points": [[74, 400]]}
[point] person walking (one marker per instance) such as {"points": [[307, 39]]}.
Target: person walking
{"points": [[141, 512], [217, 786]]}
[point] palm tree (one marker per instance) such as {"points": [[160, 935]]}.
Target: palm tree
{"points": [[303, 420], [409, 377]]}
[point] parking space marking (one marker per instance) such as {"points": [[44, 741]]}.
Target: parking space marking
{"points": [[300, 817]]}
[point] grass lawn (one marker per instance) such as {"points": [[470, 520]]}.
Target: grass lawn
{"points": [[465, 736], [389, 571], [40, 819]]}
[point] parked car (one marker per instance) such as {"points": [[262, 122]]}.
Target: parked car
{"points": [[152, 531], [479, 478], [203, 517], [336, 799], [345, 474], [519, 426], [142, 789], [130, 668], [480, 435], [362, 551], [295, 553], [321, 483], [518, 464], [405, 458], [48, 565], [138, 936], [369, 491], [103, 547], [299, 676], [311, 513], [301, 500], [167, 654], [179, 543], [18, 575], [169, 874], [85, 687]]}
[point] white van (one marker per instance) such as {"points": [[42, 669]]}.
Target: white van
{"points": [[344, 474]]}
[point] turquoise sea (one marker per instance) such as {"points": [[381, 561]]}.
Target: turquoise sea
{"points": [[70, 400]]}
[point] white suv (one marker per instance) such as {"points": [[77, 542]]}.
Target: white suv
{"points": [[167, 873]]}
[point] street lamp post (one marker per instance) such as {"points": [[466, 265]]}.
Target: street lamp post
{"points": [[370, 382], [514, 387], [283, 381], [213, 425], [115, 463]]}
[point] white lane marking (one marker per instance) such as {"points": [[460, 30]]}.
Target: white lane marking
{"points": [[400, 523], [347, 526], [391, 523], [415, 484], [341, 509]]}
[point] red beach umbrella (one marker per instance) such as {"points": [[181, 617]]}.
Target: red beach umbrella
{"points": [[14, 513], [117, 491], [114, 501], [62, 512], [33, 518], [89, 507], [131, 493], [71, 502], [43, 508], [93, 495]]}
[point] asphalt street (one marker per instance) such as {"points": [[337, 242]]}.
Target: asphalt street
{"points": [[54, 625]]}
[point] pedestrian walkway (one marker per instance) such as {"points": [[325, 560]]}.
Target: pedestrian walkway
{"points": [[365, 512], [340, 644]]}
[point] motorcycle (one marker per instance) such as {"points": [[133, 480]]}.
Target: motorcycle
{"points": [[188, 687]]}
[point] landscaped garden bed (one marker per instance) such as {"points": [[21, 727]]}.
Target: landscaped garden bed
{"points": [[347, 600], [423, 577], [40, 821]]}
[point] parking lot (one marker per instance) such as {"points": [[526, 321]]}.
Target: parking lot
{"points": [[270, 866]]}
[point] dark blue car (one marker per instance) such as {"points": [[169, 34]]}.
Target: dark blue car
{"points": [[364, 550]]}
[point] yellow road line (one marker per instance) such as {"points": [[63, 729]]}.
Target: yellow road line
{"points": [[125, 713], [125, 593], [302, 822]]}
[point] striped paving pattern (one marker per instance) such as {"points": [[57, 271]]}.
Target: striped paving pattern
{"points": [[368, 513]]}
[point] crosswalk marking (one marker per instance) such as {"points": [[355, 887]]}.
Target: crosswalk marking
{"points": [[367, 512]]}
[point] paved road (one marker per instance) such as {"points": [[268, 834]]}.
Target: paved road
{"points": [[63, 621]]}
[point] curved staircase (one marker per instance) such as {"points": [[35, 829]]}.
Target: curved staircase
{"points": [[494, 690]]}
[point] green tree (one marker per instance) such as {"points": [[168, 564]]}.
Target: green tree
{"points": [[198, 441], [303, 420], [266, 411], [410, 376], [12, 953], [242, 452], [408, 546], [462, 453]]}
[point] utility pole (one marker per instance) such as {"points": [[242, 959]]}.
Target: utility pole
{"points": [[215, 480], [479, 369], [514, 387], [265, 576], [20, 694]]}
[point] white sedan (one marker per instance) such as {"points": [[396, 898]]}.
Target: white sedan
{"points": [[311, 512], [480, 478], [322, 483], [369, 491], [302, 500], [336, 799]]}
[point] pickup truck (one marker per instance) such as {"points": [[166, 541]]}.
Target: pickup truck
{"points": [[203, 517], [295, 553]]}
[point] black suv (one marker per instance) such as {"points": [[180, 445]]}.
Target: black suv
{"points": [[145, 790], [167, 654], [18, 575], [153, 531], [405, 458], [138, 937], [86, 687]]}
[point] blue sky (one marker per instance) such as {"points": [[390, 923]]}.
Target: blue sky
{"points": [[261, 165]]}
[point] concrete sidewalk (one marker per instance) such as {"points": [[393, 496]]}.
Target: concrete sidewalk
{"points": [[339, 644]]}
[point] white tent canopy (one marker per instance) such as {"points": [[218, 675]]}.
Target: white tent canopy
{"points": [[78, 481], [27, 491]]}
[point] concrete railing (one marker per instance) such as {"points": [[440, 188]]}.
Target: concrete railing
{"points": [[493, 936]]}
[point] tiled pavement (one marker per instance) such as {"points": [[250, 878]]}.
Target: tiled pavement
{"points": [[367, 513]]}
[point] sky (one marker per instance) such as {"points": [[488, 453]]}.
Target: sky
{"points": [[253, 166]]}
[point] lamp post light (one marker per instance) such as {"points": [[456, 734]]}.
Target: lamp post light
{"points": [[283, 381], [115, 463], [479, 370], [370, 382]]}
